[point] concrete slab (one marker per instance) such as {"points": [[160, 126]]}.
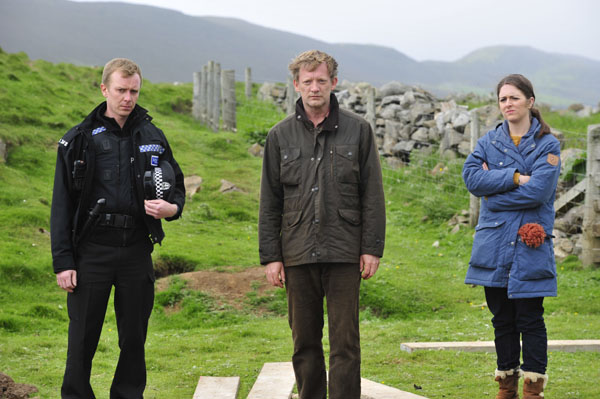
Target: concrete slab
{"points": [[588, 345], [275, 381], [584, 345], [477, 346], [374, 390], [217, 388]]}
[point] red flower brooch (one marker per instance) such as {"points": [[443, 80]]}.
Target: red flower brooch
{"points": [[532, 234]]}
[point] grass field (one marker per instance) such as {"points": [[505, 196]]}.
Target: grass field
{"points": [[417, 295]]}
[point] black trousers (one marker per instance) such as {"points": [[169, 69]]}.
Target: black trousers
{"points": [[306, 286], [129, 270], [512, 319]]}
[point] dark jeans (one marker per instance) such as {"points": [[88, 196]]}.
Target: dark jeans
{"points": [[306, 286], [100, 267], [512, 319]]}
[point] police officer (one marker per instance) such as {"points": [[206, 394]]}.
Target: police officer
{"points": [[104, 225]]}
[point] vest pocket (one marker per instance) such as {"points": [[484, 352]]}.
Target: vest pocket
{"points": [[346, 164], [534, 263], [151, 154], [500, 161], [290, 171], [486, 245]]}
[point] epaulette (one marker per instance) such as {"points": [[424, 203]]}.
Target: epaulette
{"points": [[70, 135]]}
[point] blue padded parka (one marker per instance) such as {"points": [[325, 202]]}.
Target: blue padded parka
{"points": [[499, 257]]}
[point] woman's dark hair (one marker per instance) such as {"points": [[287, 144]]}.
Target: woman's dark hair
{"points": [[525, 86]]}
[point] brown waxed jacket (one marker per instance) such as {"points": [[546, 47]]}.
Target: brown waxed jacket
{"points": [[321, 197]]}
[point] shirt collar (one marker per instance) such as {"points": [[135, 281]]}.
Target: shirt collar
{"points": [[330, 123]]}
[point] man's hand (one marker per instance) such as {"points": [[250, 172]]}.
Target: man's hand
{"points": [[67, 280], [275, 274], [368, 265], [159, 208]]}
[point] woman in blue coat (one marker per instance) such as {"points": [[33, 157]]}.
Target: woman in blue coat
{"points": [[514, 169]]}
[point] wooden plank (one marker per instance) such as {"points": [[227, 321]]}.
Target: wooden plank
{"points": [[567, 197], [587, 345], [217, 388], [275, 381]]}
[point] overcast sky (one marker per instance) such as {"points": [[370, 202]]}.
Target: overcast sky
{"points": [[443, 30]]}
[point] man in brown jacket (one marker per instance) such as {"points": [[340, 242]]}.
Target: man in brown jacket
{"points": [[321, 225]]}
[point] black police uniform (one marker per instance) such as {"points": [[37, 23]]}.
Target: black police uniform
{"points": [[97, 159]]}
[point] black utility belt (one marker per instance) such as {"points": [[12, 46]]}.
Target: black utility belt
{"points": [[116, 220]]}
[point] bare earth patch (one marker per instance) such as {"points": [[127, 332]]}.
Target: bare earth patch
{"points": [[10, 390], [229, 285]]}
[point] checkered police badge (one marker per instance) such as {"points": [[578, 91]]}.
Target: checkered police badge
{"points": [[152, 148], [98, 130]]}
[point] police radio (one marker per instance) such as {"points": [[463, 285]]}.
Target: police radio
{"points": [[159, 182]]}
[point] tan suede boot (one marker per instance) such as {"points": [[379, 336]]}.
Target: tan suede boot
{"points": [[509, 383], [533, 387]]}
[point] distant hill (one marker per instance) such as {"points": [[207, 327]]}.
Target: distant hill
{"points": [[170, 46]]}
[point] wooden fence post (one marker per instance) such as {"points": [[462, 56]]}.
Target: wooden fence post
{"points": [[196, 113], [216, 110], [290, 96], [228, 89], [248, 82], [371, 110], [203, 95], [590, 255], [210, 89], [474, 201]]}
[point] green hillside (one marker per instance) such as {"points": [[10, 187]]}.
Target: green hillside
{"points": [[417, 295]]}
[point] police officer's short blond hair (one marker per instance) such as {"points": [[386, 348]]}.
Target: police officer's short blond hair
{"points": [[126, 67], [311, 60]]}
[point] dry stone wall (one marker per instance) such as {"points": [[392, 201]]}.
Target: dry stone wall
{"points": [[408, 118]]}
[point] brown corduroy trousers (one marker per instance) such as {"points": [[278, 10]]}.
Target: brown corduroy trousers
{"points": [[306, 286]]}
